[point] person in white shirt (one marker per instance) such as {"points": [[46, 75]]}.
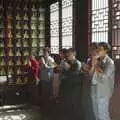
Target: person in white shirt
{"points": [[103, 70], [47, 64]]}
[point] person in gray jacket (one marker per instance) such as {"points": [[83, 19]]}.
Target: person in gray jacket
{"points": [[103, 72]]}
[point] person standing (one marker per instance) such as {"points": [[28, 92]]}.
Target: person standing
{"points": [[46, 74], [89, 85], [58, 74], [103, 72], [33, 66], [71, 87]]}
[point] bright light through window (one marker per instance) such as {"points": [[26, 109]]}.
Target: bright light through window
{"points": [[99, 20], [67, 18], [54, 27]]}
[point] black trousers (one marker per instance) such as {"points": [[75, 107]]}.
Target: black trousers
{"points": [[71, 99], [45, 90]]}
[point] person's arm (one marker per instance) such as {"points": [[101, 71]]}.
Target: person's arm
{"points": [[85, 67], [36, 69], [76, 68], [44, 64], [92, 70], [51, 63], [99, 70], [67, 66], [94, 62], [108, 74], [74, 75], [29, 63]]}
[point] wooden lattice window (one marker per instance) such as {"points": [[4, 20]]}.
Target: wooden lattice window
{"points": [[99, 20], [54, 27], [116, 29], [67, 22]]}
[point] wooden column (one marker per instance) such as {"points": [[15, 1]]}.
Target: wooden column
{"points": [[47, 23], [81, 28]]}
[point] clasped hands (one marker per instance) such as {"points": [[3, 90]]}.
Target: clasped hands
{"points": [[96, 67], [67, 66]]}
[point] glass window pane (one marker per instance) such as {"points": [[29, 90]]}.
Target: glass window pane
{"points": [[67, 19], [67, 42], [99, 27], [55, 41], [67, 12], [54, 16], [54, 28], [55, 45]]}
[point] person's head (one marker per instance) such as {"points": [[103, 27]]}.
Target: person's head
{"points": [[62, 53], [71, 54], [46, 52], [103, 49], [32, 57], [94, 48]]}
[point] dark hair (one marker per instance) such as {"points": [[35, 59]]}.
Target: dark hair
{"points": [[71, 50], [105, 45], [94, 45], [64, 50], [46, 49]]}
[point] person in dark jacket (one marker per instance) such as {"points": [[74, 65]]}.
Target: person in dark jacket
{"points": [[71, 86]]}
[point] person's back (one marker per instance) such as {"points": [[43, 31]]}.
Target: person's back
{"points": [[35, 67]]}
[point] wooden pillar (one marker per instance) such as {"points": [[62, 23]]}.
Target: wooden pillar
{"points": [[81, 28], [47, 23]]}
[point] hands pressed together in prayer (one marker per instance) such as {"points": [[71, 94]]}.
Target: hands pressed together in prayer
{"points": [[66, 66], [95, 65]]}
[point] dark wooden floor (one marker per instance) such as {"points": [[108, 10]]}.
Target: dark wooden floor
{"points": [[21, 113], [44, 111], [51, 111], [115, 101]]}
